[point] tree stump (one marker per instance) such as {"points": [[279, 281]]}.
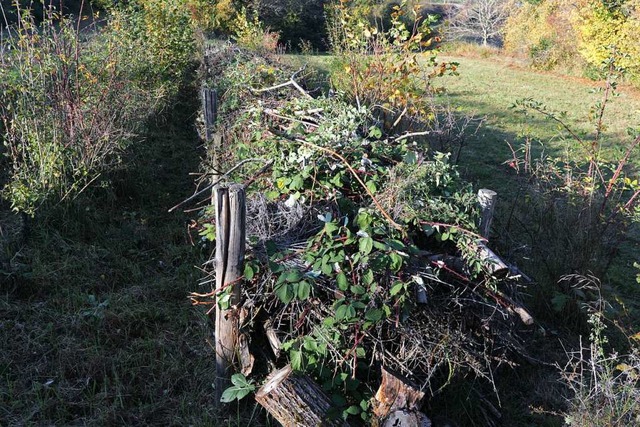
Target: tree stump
{"points": [[296, 400], [397, 403]]}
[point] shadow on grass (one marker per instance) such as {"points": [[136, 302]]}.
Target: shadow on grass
{"points": [[95, 328]]}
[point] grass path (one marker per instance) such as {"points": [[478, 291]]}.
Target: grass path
{"points": [[96, 329]]}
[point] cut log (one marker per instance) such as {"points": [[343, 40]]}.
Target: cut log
{"points": [[497, 268], [487, 199], [296, 400], [396, 393], [404, 418]]}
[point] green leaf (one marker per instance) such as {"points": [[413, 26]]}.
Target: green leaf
{"points": [[229, 395], [358, 290], [397, 287], [343, 283], [374, 315], [353, 410], [363, 220], [297, 183], [285, 293], [296, 360], [366, 245], [367, 277], [375, 132], [304, 290], [396, 262], [248, 271], [371, 186], [351, 311], [410, 158], [341, 312], [292, 276], [327, 269]]}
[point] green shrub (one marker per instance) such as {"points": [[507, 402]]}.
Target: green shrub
{"points": [[71, 102], [384, 67]]}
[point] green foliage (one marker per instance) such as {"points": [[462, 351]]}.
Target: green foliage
{"points": [[250, 33], [240, 388], [555, 33], [71, 104], [544, 32], [384, 66]]}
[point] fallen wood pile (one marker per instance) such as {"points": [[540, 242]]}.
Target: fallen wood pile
{"points": [[364, 263]]}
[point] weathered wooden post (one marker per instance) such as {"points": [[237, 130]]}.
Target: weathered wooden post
{"points": [[230, 248], [210, 109], [487, 199], [212, 137]]}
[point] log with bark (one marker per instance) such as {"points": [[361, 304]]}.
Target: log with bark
{"points": [[295, 400], [397, 402]]}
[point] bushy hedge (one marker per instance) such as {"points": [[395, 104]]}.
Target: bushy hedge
{"points": [[72, 101]]}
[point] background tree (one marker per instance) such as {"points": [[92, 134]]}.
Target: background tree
{"points": [[481, 20]]}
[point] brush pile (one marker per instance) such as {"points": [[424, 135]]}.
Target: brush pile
{"points": [[363, 244]]}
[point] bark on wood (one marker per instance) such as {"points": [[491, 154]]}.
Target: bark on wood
{"points": [[396, 393], [404, 418], [497, 267], [210, 109], [230, 248], [487, 199], [296, 400], [272, 337]]}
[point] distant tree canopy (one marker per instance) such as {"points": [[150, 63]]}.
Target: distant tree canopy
{"points": [[589, 32]]}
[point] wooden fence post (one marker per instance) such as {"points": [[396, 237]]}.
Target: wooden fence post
{"points": [[212, 137], [210, 109], [487, 199], [230, 249]]}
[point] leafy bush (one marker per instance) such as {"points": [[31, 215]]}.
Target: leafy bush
{"points": [[251, 34], [384, 67], [543, 32], [71, 102], [604, 28]]}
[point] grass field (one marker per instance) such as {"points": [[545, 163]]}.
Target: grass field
{"points": [[490, 87]]}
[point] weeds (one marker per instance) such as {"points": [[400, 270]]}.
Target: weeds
{"points": [[575, 214], [605, 386]]}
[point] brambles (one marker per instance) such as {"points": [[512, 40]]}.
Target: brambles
{"points": [[349, 223]]}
